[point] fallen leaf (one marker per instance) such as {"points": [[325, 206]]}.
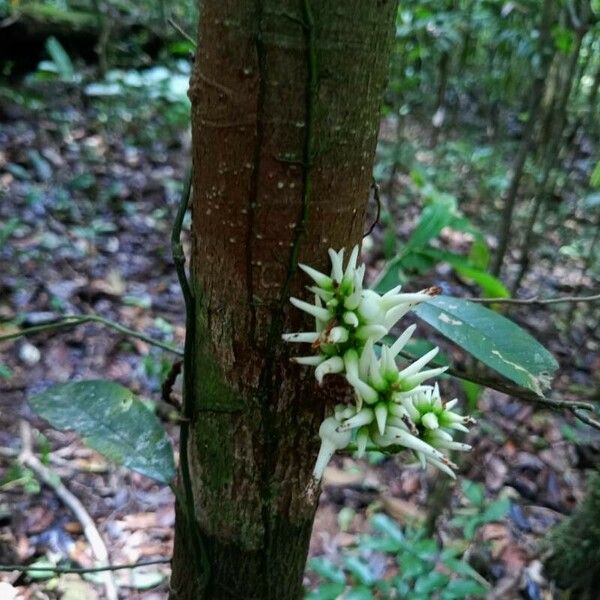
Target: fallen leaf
{"points": [[402, 510]]}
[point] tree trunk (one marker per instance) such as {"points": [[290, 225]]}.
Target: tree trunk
{"points": [[285, 111], [536, 94], [593, 100], [551, 156]]}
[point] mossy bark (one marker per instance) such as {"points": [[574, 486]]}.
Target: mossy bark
{"points": [[573, 559], [285, 111]]}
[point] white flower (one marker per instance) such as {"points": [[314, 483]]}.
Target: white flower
{"points": [[347, 315], [372, 377], [393, 409], [332, 439]]}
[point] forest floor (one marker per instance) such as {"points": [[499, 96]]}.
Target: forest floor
{"points": [[88, 197]]}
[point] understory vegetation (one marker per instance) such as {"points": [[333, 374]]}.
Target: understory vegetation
{"points": [[485, 189]]}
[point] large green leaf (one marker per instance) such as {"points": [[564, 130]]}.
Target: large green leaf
{"points": [[113, 422], [437, 215], [433, 219], [492, 287], [491, 338]]}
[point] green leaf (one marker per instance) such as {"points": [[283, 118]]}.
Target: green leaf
{"points": [[563, 38], [326, 569], [496, 510], [60, 58], [472, 392], [381, 544], [471, 526], [113, 422], [416, 262], [474, 492], [360, 570], [384, 524], [390, 276], [412, 566], [5, 371], [433, 219], [479, 255], [329, 591], [491, 338], [7, 229], [359, 593], [431, 582], [595, 176], [491, 286], [459, 589], [425, 549], [461, 567], [17, 474]]}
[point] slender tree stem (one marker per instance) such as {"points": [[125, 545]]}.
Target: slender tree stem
{"points": [[589, 261], [552, 155], [546, 53]]}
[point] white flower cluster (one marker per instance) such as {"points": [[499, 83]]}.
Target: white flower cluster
{"points": [[393, 409]]}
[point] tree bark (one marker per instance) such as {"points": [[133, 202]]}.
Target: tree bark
{"points": [[285, 111]]}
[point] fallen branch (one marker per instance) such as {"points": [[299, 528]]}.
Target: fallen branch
{"points": [[52, 480], [74, 320], [536, 300], [64, 570]]}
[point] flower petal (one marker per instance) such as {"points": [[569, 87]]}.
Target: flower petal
{"points": [[316, 311], [319, 278], [306, 337], [335, 364]]}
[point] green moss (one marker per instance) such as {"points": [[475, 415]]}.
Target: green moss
{"points": [[212, 393], [212, 396], [574, 547]]}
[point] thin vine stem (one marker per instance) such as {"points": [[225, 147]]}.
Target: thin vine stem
{"points": [[536, 300], [64, 570], [67, 321], [186, 500], [576, 407]]}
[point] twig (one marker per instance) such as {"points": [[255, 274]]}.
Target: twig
{"points": [[53, 481], [181, 31], [536, 300], [63, 570], [375, 188], [67, 321], [586, 418], [574, 406]]}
